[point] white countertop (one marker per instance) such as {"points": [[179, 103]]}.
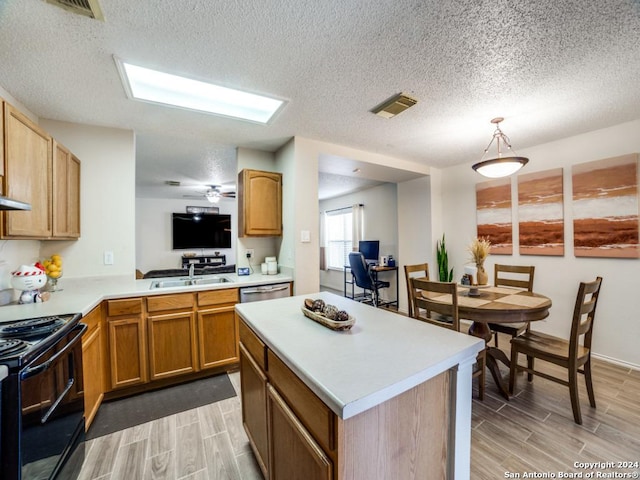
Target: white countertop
{"points": [[384, 354], [83, 294]]}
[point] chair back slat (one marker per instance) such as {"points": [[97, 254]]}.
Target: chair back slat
{"points": [[420, 270], [424, 294], [584, 315], [518, 276]]}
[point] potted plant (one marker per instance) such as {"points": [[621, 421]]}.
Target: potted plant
{"points": [[444, 274], [479, 250]]}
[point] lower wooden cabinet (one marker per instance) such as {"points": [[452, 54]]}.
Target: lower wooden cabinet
{"points": [[293, 451], [172, 344], [217, 336], [128, 351], [92, 365], [253, 384]]}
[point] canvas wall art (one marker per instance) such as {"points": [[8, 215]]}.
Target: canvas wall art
{"points": [[541, 213], [493, 211], [605, 208]]}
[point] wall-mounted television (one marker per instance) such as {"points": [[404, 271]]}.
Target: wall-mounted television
{"points": [[201, 230]]}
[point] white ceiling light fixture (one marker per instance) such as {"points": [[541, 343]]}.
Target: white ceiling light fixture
{"points": [[153, 86], [213, 196], [500, 166]]}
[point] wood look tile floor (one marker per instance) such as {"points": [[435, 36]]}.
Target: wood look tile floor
{"points": [[534, 432]]}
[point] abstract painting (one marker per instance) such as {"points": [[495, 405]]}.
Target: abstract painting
{"points": [[493, 210], [605, 208], [541, 213]]}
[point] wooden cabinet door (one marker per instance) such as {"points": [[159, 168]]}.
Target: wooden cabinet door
{"points": [[259, 203], [253, 383], [66, 193], [172, 345], [28, 152], [127, 351], [217, 336], [93, 357], [293, 453]]}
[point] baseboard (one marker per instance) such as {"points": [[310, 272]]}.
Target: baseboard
{"points": [[615, 361]]}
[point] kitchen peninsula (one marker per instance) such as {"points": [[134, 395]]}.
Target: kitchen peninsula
{"points": [[390, 398]]}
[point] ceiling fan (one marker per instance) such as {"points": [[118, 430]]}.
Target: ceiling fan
{"points": [[213, 194]]}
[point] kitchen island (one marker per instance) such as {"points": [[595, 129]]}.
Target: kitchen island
{"points": [[390, 398]]}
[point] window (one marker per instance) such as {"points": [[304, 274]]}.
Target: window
{"points": [[338, 231]]}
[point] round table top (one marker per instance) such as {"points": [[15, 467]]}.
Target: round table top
{"points": [[499, 305]]}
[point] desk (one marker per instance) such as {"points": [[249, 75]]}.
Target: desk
{"points": [[375, 270], [498, 305]]}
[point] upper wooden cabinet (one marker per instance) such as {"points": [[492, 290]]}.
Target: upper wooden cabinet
{"points": [[259, 204], [39, 171], [66, 193], [27, 176]]}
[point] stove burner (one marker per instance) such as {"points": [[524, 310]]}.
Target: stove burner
{"points": [[10, 347], [31, 327]]}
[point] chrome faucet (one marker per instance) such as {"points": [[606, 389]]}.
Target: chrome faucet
{"points": [[191, 268]]}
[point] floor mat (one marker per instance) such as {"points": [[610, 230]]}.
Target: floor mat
{"points": [[129, 412]]}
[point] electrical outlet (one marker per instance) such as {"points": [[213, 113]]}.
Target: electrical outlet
{"points": [[249, 252]]}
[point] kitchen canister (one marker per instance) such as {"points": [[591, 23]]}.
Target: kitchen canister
{"points": [[264, 268]]}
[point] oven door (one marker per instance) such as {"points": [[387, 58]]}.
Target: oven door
{"points": [[52, 411]]}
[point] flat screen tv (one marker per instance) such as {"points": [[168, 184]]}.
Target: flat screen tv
{"points": [[199, 230], [370, 249]]}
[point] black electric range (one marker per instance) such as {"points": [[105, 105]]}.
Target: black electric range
{"points": [[42, 408]]}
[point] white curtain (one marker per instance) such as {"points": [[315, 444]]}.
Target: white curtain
{"points": [[324, 263], [357, 230]]}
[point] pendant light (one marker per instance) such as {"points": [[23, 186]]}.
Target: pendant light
{"points": [[500, 166]]}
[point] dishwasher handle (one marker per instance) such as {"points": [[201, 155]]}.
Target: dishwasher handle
{"points": [[265, 289]]}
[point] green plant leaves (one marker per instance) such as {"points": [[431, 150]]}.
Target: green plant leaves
{"points": [[444, 274]]}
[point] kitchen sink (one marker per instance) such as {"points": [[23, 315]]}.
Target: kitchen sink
{"points": [[186, 282]]}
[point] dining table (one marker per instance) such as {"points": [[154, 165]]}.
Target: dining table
{"points": [[489, 304]]}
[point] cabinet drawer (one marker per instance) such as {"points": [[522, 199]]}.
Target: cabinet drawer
{"points": [[311, 411], [127, 306], [254, 345], [217, 297], [179, 301]]}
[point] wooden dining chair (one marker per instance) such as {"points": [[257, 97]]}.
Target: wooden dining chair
{"points": [[443, 314], [572, 355], [518, 276], [418, 270]]}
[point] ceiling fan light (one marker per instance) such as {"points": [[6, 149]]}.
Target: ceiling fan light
{"points": [[213, 196], [500, 167]]}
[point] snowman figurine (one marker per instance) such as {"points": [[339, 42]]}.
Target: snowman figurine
{"points": [[30, 279]]}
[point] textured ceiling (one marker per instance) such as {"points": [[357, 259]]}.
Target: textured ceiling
{"points": [[552, 68]]}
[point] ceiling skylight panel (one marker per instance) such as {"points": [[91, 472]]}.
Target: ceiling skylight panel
{"points": [[164, 88]]}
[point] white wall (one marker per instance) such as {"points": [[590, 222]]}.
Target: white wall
{"points": [[617, 327], [416, 242], [153, 232], [107, 214]]}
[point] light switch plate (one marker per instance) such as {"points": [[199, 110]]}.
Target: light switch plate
{"points": [[305, 236]]}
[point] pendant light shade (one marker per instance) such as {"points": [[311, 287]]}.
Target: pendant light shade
{"points": [[500, 166]]}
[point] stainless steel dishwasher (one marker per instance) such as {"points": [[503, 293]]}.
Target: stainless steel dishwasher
{"points": [[264, 292]]}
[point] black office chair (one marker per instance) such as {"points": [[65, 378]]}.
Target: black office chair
{"points": [[365, 280]]}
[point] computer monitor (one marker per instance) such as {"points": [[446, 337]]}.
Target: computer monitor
{"points": [[370, 249]]}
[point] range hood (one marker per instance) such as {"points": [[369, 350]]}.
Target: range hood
{"points": [[10, 204]]}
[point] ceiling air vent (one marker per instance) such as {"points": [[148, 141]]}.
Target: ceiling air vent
{"points": [[88, 8], [394, 105]]}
